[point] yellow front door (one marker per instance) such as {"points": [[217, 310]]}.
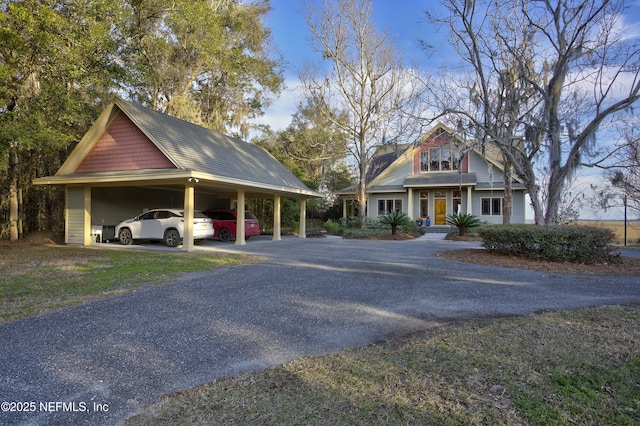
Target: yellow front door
{"points": [[440, 211]]}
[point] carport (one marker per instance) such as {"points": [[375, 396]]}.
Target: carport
{"points": [[134, 158]]}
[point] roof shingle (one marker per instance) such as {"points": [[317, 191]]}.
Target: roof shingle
{"points": [[196, 148]]}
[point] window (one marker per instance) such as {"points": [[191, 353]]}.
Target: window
{"points": [[446, 162], [434, 156], [148, 216], [424, 161], [491, 206], [436, 159], [424, 203], [457, 202], [389, 205]]}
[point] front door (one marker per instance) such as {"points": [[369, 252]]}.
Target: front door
{"points": [[440, 211]]}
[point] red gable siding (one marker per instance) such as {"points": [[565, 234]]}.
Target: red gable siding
{"points": [[123, 147]]}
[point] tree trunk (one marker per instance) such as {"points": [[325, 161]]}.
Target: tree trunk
{"points": [[362, 204], [362, 181], [532, 189], [507, 205], [13, 197]]}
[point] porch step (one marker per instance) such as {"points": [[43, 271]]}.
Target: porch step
{"points": [[438, 229]]}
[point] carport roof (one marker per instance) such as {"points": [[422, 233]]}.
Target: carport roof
{"points": [[195, 152]]}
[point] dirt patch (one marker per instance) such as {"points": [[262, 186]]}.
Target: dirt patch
{"points": [[457, 237], [388, 237], [628, 267], [39, 238]]}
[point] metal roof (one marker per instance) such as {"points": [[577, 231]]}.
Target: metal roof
{"points": [[196, 148]]}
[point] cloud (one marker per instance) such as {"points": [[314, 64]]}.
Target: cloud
{"points": [[278, 114]]}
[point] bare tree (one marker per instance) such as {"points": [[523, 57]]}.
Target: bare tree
{"points": [[366, 79], [622, 172], [547, 78]]}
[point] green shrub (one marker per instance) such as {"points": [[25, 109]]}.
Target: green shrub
{"points": [[394, 218], [463, 221], [358, 233], [576, 244], [412, 228], [331, 226]]}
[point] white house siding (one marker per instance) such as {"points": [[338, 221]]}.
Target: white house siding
{"points": [[396, 174], [518, 201], [372, 210], [485, 171], [75, 215]]}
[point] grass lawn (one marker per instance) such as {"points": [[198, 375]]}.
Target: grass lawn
{"points": [[558, 368], [39, 278]]}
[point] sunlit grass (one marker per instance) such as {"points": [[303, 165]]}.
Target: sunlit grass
{"points": [[563, 368]]}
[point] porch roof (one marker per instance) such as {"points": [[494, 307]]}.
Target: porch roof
{"points": [[445, 179]]}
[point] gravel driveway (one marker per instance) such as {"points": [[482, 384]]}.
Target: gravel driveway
{"points": [[100, 362]]}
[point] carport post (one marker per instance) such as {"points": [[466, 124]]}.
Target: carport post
{"points": [[303, 218], [410, 203], [87, 216], [187, 238], [276, 218], [240, 240]]}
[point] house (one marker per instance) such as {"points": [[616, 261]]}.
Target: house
{"points": [[133, 159], [440, 175]]}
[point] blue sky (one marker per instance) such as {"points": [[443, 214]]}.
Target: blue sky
{"points": [[401, 18], [405, 22]]}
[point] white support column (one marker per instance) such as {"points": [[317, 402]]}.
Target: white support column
{"points": [[302, 233], [344, 208], [66, 214], [410, 203], [469, 199], [189, 201], [240, 240], [277, 234], [87, 216]]}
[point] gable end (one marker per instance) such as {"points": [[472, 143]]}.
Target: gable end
{"points": [[123, 146]]}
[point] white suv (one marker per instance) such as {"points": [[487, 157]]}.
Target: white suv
{"points": [[163, 224]]}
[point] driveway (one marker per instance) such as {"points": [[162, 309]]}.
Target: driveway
{"points": [[100, 362]]}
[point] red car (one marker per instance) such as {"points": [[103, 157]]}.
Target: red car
{"points": [[224, 224]]}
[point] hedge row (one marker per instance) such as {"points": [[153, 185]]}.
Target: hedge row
{"points": [[577, 244]]}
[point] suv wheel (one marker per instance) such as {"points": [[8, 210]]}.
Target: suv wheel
{"points": [[125, 236], [224, 234], [172, 238]]}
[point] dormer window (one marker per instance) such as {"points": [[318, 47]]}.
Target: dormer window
{"points": [[438, 159]]}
